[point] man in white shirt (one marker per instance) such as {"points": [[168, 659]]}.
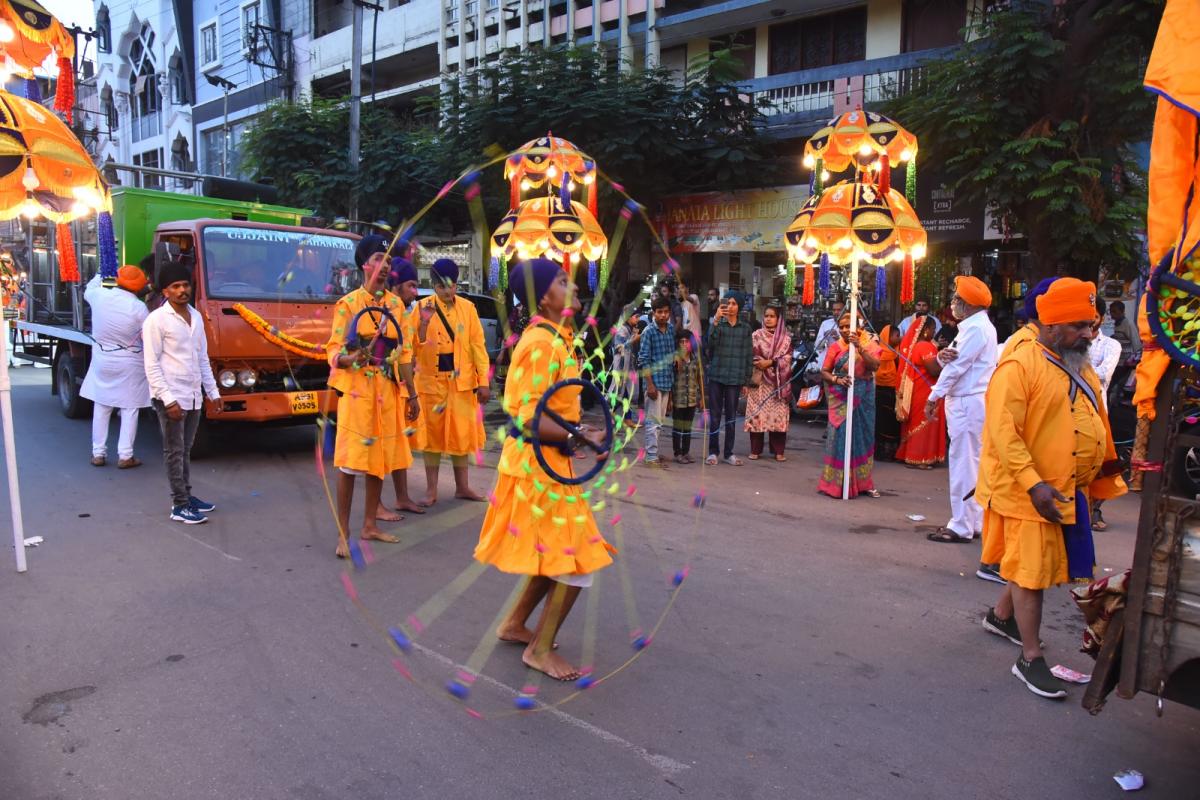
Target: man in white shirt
{"points": [[116, 377], [828, 332], [967, 366], [921, 307], [175, 351]]}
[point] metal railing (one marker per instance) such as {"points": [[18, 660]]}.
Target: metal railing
{"points": [[806, 97]]}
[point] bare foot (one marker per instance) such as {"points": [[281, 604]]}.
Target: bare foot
{"points": [[429, 500], [377, 535], [343, 549], [385, 514], [517, 635], [468, 494], [550, 663], [409, 505]]}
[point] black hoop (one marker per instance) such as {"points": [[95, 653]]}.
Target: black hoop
{"points": [[352, 342], [572, 428]]}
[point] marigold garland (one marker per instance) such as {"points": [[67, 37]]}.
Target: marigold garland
{"points": [[278, 338]]}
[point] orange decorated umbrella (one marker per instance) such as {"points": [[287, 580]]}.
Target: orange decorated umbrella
{"points": [[863, 139], [554, 161], [31, 37], [545, 227]]}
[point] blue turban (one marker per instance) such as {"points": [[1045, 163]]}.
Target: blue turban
{"points": [[537, 274], [445, 270], [402, 272], [1034, 294], [368, 246]]}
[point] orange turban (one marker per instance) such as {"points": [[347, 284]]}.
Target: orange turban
{"points": [[131, 278], [1067, 300], [973, 291]]}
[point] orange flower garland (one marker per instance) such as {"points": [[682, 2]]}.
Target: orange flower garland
{"points": [[278, 338]]}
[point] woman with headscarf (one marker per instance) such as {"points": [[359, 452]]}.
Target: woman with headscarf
{"points": [[887, 380], [836, 372], [453, 378], [535, 525], [922, 438], [767, 402]]}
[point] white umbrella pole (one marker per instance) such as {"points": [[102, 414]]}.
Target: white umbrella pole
{"points": [[10, 455], [850, 394]]}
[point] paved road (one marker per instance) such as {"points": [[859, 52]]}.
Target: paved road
{"points": [[817, 649]]}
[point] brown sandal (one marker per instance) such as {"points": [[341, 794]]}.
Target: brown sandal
{"points": [[129, 463]]}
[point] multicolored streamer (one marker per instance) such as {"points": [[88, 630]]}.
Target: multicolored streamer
{"points": [[108, 247], [910, 181], [824, 284], [68, 267], [880, 284]]}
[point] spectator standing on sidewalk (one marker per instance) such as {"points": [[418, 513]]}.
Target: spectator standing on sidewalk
{"points": [[967, 366], [730, 365], [768, 402], [175, 354], [685, 395], [656, 363], [116, 378]]}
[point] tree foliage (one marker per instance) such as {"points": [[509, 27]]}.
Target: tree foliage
{"points": [[649, 130], [1037, 115]]}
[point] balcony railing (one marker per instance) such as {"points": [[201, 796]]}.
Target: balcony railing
{"points": [[146, 126], [805, 99]]}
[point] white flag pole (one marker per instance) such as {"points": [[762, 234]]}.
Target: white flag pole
{"points": [[850, 394], [10, 455]]}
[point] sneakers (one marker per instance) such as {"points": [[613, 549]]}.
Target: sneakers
{"points": [[200, 506], [187, 515], [990, 572], [1002, 627], [1037, 678]]}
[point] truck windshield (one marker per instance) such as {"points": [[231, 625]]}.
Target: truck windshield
{"points": [[263, 263]]}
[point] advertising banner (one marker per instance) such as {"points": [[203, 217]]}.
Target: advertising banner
{"points": [[731, 221]]}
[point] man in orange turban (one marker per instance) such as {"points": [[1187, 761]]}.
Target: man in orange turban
{"points": [[1035, 482], [116, 376], [967, 366]]}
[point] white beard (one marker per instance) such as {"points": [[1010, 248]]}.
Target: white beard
{"points": [[1076, 359]]}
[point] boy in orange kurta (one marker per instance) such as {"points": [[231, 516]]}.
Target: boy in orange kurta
{"points": [[363, 363], [453, 378], [402, 282], [1030, 473]]}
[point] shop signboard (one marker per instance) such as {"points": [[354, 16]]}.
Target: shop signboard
{"points": [[743, 221], [947, 217]]}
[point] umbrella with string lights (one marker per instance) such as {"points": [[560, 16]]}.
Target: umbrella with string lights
{"points": [[31, 37], [859, 139], [547, 227], [550, 160]]}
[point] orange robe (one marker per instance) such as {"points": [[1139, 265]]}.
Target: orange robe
{"points": [[450, 413], [1028, 407], [413, 430], [1026, 334], [1150, 368], [535, 525], [368, 439]]}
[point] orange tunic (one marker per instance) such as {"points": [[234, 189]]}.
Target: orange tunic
{"points": [[368, 439], [534, 525], [1026, 334], [414, 430], [452, 423], [1028, 409]]}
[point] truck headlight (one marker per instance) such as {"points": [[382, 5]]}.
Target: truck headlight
{"points": [[247, 378], [227, 379]]}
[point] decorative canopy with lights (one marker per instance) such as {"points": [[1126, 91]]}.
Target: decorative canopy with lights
{"points": [[549, 160], [31, 37], [860, 139]]}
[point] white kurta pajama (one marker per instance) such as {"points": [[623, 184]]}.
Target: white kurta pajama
{"points": [[963, 383], [116, 378]]}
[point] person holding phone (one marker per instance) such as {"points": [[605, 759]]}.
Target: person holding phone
{"points": [[729, 369]]}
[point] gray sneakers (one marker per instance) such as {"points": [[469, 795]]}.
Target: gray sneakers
{"points": [[1037, 678]]}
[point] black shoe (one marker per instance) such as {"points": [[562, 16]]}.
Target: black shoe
{"points": [[990, 572], [1002, 627], [1037, 678]]}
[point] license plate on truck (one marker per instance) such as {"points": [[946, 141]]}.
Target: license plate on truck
{"points": [[303, 402]]}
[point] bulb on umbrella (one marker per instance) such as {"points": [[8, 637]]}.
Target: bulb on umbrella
{"points": [[30, 210], [906, 155], [918, 251], [809, 161], [865, 150], [7, 34], [30, 181]]}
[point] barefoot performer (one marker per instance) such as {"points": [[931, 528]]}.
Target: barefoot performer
{"points": [[402, 282], [536, 526], [362, 369], [452, 377]]}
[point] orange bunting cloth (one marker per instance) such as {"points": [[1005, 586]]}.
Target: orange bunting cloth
{"points": [[68, 267], [810, 289], [1067, 300], [30, 36], [976, 293]]}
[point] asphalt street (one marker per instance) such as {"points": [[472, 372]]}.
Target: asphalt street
{"points": [[817, 648]]}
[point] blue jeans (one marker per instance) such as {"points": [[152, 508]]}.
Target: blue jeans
{"points": [[722, 406]]}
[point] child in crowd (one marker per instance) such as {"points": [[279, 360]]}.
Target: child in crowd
{"points": [[685, 395]]}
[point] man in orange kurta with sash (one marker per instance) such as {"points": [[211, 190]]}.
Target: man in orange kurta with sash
{"points": [[1034, 482], [402, 281], [364, 358], [453, 378]]}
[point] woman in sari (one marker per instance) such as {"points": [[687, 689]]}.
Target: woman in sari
{"points": [[922, 439], [767, 411], [836, 373], [887, 380]]}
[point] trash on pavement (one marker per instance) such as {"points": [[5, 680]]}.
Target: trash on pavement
{"points": [[1129, 779], [34, 541], [916, 517], [1068, 674]]}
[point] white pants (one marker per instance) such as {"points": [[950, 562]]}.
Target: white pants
{"points": [[656, 415], [964, 424], [100, 417]]}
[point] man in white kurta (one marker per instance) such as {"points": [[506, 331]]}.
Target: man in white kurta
{"points": [[116, 378], [967, 366]]}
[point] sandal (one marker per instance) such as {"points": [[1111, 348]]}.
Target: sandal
{"points": [[753, 457], [873, 493], [733, 461], [711, 461], [947, 536], [781, 459]]}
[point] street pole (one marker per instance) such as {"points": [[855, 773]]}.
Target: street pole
{"points": [[225, 137], [10, 457], [850, 394], [356, 102]]}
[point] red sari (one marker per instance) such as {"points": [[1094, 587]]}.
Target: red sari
{"points": [[922, 440]]}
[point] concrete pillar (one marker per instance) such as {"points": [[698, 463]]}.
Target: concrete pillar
{"points": [[524, 23], [480, 33], [883, 28], [571, 22], [462, 38], [652, 48], [625, 43], [762, 51], [546, 24]]}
